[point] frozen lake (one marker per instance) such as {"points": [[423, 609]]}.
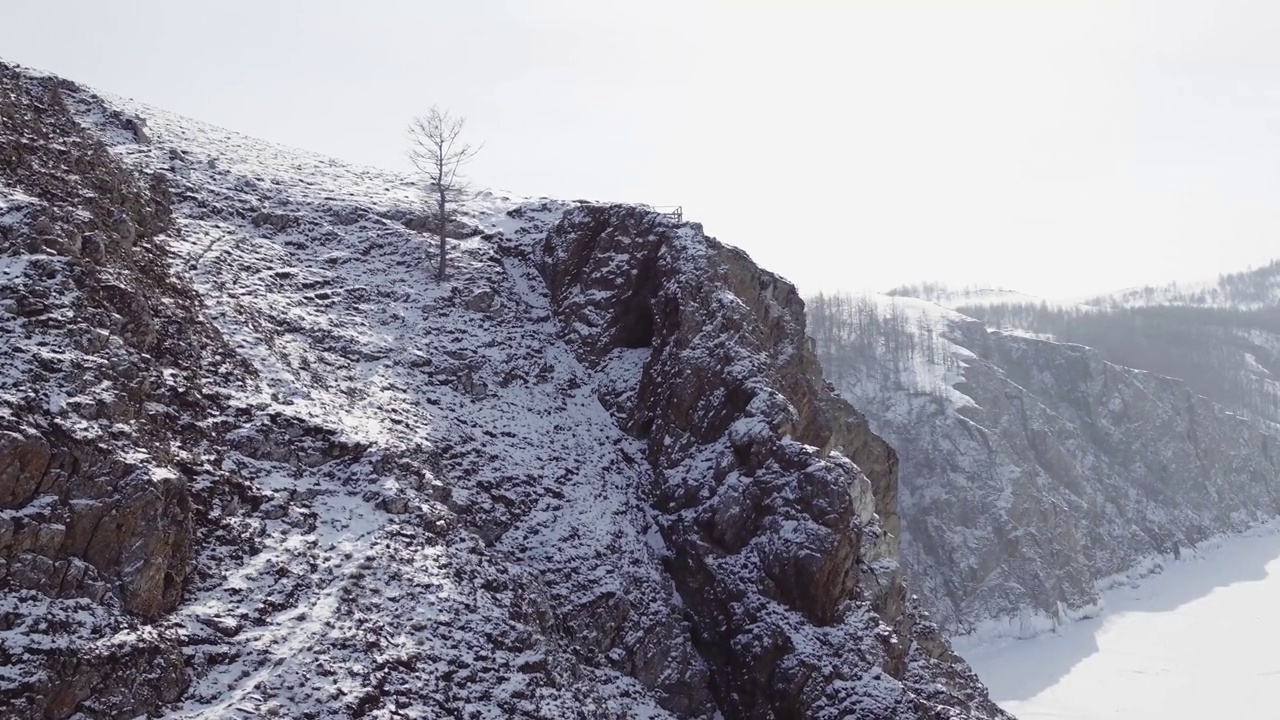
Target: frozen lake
{"points": [[1192, 642]]}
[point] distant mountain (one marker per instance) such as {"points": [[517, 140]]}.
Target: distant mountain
{"points": [[1224, 342], [1252, 289], [952, 297], [1045, 449]]}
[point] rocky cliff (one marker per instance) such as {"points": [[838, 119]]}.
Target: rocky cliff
{"points": [[105, 359], [1033, 470], [256, 462]]}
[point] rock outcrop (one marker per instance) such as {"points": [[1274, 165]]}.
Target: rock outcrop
{"points": [[104, 359], [778, 544]]}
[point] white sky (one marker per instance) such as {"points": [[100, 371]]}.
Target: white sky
{"points": [[1060, 148]]}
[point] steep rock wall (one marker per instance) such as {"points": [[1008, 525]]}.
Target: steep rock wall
{"points": [[778, 546]]}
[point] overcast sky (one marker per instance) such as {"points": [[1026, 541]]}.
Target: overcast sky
{"points": [[1059, 148]]}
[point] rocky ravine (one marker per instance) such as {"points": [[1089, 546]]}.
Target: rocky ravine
{"points": [[256, 463], [1037, 470]]}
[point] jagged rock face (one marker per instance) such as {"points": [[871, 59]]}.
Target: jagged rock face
{"points": [[613, 306], [95, 515], [775, 543], [1061, 471]]}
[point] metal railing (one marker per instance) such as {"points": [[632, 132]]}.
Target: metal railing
{"points": [[674, 212]]}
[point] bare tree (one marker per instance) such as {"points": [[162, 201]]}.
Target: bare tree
{"points": [[437, 151]]}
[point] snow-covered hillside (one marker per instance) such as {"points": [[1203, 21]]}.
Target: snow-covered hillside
{"points": [[1223, 339], [384, 406], [953, 297], [595, 474], [1039, 470]]}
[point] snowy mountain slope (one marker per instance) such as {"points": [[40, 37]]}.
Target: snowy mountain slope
{"points": [[1251, 289], [1052, 471], [1220, 336], [463, 397], [589, 476], [972, 296]]}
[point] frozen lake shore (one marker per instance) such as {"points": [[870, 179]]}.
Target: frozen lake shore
{"points": [[1188, 643]]}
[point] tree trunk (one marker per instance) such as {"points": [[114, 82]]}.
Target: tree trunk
{"points": [[441, 272]]}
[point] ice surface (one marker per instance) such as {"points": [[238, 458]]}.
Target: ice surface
{"points": [[1187, 643]]}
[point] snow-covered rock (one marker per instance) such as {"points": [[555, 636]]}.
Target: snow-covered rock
{"points": [[595, 474]]}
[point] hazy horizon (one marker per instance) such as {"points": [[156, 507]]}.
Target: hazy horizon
{"points": [[1061, 149]]}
